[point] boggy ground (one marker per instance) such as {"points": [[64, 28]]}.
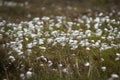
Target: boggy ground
{"points": [[59, 40]]}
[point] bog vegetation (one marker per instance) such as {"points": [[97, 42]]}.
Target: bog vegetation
{"points": [[85, 47]]}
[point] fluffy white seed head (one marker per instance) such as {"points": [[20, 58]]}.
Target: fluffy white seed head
{"points": [[114, 76], [87, 64], [103, 68], [29, 74]]}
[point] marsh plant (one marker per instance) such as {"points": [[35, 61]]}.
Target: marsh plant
{"points": [[84, 48]]}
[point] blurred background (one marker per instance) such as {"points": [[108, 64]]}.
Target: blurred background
{"points": [[17, 10]]}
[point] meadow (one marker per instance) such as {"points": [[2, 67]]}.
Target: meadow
{"points": [[60, 47]]}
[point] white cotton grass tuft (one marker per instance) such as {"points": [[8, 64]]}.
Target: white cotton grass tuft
{"points": [[88, 33], [118, 54], [118, 35], [12, 58], [87, 64], [88, 48], [29, 74], [102, 59], [50, 63], [65, 70], [41, 65], [117, 57], [99, 32], [43, 58], [30, 45], [1, 36], [60, 65], [22, 76], [114, 76], [103, 68]]}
